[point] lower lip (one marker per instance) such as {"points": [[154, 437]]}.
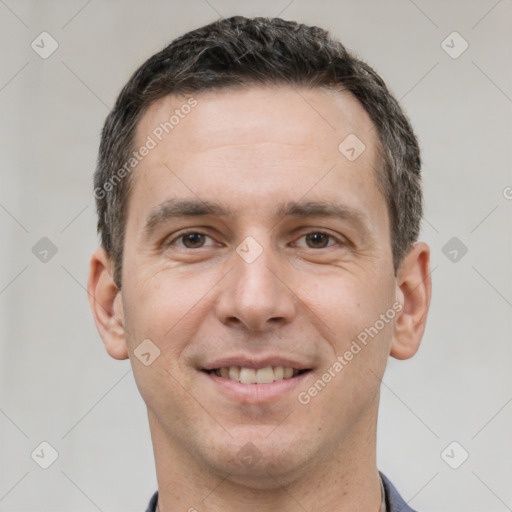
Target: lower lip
{"points": [[256, 393]]}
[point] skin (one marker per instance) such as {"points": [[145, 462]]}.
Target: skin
{"points": [[306, 298]]}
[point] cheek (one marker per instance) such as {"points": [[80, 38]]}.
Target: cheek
{"points": [[155, 303], [166, 307], [348, 313], [165, 310], [345, 306]]}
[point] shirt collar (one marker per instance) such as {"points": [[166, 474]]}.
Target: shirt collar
{"points": [[154, 506], [383, 507]]}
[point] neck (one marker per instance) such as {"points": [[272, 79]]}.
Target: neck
{"points": [[342, 480]]}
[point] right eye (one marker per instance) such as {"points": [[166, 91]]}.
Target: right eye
{"points": [[189, 240]]}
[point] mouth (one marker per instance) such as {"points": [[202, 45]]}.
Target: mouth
{"points": [[246, 379], [265, 375]]}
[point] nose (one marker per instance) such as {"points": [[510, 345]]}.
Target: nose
{"points": [[256, 295]]}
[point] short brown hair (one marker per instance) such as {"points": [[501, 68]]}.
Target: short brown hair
{"points": [[238, 51]]}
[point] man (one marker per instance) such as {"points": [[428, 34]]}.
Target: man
{"points": [[259, 202]]}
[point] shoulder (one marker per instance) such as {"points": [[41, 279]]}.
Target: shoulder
{"points": [[394, 501]]}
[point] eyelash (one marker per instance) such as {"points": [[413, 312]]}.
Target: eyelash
{"points": [[195, 232]]}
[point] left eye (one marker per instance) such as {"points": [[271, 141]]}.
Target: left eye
{"points": [[318, 240]]}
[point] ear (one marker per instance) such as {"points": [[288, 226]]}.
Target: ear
{"points": [[106, 304], [414, 289]]}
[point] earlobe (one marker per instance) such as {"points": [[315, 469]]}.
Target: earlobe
{"points": [[414, 289], [106, 305]]}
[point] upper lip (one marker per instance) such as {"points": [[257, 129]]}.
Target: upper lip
{"points": [[255, 362]]}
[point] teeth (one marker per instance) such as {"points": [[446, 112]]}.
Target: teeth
{"points": [[234, 373], [288, 372], [265, 375], [278, 372], [247, 375], [260, 376]]}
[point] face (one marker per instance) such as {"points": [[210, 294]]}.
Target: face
{"points": [[258, 261]]}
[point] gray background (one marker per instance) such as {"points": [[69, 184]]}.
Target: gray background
{"points": [[58, 385]]}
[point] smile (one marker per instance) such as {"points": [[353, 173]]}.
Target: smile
{"points": [[265, 375]]}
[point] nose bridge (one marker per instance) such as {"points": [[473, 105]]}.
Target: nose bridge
{"points": [[255, 294]]}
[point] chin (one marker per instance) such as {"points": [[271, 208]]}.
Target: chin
{"points": [[259, 460]]}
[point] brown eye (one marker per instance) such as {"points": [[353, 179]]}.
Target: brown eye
{"points": [[186, 242], [190, 240], [193, 240], [317, 240]]}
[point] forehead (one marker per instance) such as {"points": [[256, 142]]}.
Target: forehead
{"points": [[311, 116], [251, 141]]}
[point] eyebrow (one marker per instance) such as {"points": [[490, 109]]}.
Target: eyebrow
{"points": [[182, 208]]}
